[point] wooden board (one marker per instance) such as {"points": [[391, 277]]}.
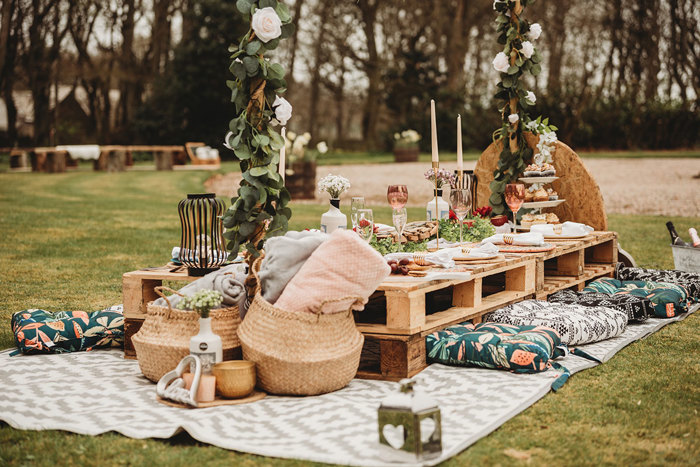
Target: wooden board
{"points": [[584, 201], [219, 401]]}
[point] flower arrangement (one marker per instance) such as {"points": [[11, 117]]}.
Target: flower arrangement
{"points": [[519, 56], [406, 139], [439, 178], [297, 147], [259, 210], [334, 185], [484, 212], [202, 302]]}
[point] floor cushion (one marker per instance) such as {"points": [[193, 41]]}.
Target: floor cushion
{"points": [[523, 349], [689, 280], [40, 331], [575, 324], [638, 309], [669, 299]]}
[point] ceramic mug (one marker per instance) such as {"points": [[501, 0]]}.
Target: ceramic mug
{"points": [[235, 378]]}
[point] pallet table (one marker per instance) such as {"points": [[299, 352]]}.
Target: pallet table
{"points": [[137, 290]]}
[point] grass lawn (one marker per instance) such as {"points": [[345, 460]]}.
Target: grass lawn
{"points": [[67, 238]]}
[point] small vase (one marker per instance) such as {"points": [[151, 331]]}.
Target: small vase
{"points": [[207, 346], [442, 207], [333, 219]]}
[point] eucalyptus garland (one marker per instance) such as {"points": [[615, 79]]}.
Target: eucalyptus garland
{"points": [[519, 56], [260, 209]]}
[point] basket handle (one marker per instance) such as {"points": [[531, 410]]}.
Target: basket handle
{"points": [[159, 290]]}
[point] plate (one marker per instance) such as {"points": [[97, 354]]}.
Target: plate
{"points": [[564, 237], [546, 179], [542, 204]]}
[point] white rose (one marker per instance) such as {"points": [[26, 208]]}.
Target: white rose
{"points": [[531, 125], [500, 63], [527, 49], [513, 118], [535, 31], [283, 109], [531, 97], [266, 24], [322, 147]]}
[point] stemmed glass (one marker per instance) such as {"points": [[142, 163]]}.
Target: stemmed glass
{"points": [[358, 202], [365, 224], [461, 201], [397, 195], [515, 195]]}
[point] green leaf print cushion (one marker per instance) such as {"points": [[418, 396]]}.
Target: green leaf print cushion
{"points": [[668, 299], [522, 349], [40, 331]]}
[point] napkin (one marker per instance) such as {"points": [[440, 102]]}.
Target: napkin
{"points": [[523, 239], [482, 251], [433, 244], [568, 229], [442, 258]]}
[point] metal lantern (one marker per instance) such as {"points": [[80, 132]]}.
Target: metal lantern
{"points": [[201, 242], [409, 425]]}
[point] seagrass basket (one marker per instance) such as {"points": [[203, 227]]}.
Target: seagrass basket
{"points": [[298, 353], [164, 337]]}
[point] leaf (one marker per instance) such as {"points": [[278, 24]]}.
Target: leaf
{"points": [[287, 30], [272, 44], [536, 69], [283, 12], [251, 65], [513, 70], [253, 47], [268, 3], [258, 171], [244, 6], [275, 71], [243, 152]]}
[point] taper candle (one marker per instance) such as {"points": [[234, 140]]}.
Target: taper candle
{"points": [[283, 152], [433, 130], [460, 164]]}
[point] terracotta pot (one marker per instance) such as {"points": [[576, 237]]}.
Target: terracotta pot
{"points": [[406, 154]]}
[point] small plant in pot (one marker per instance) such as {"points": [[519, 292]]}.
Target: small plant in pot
{"points": [[406, 146], [206, 345]]}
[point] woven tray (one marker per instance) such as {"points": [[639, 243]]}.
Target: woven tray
{"points": [[525, 249], [254, 396]]}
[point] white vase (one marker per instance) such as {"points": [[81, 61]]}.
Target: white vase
{"points": [[207, 346], [442, 207], [333, 219]]}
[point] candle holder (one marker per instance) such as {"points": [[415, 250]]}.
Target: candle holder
{"points": [[202, 242]]}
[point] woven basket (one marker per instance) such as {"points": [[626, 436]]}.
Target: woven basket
{"points": [[299, 353], [164, 338]]}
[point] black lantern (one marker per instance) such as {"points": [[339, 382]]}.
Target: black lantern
{"points": [[202, 241]]}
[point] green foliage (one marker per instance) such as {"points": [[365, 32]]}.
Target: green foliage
{"points": [[202, 302], [387, 245], [261, 203], [480, 229]]}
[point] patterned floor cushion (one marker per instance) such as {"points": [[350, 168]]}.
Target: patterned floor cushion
{"points": [[575, 324], [689, 280], [523, 349], [638, 309], [669, 299], [40, 331]]}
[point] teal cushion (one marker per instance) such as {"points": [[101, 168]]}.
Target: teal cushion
{"points": [[523, 349], [667, 299]]}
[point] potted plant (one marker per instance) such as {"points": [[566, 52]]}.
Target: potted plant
{"points": [[406, 146], [301, 169], [333, 219]]}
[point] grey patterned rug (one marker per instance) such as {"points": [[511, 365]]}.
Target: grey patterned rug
{"points": [[96, 392]]}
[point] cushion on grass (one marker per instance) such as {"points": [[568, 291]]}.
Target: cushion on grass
{"points": [[689, 280], [668, 299], [523, 349], [575, 324], [40, 331], [638, 309]]}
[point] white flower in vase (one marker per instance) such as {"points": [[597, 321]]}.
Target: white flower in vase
{"points": [[535, 31], [283, 110], [334, 185], [266, 24], [527, 49], [500, 63]]}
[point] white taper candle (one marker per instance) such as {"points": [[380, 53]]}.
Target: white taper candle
{"points": [[433, 131]]}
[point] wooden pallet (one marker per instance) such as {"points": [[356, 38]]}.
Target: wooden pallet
{"points": [[400, 314], [137, 290]]}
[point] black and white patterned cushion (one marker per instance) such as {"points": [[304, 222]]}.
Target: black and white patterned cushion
{"points": [[689, 280], [637, 309], [576, 324]]}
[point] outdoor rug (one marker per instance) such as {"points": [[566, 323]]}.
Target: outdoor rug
{"points": [[97, 392]]}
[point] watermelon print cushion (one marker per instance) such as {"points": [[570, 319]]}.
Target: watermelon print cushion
{"points": [[40, 331], [522, 349], [668, 299]]}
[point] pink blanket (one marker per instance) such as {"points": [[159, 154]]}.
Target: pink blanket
{"points": [[340, 274]]}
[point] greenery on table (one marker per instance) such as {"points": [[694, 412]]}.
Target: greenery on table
{"points": [[260, 210], [59, 253], [387, 245], [479, 230]]}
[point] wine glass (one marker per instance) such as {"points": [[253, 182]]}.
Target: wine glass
{"points": [[397, 195], [461, 201], [399, 216], [358, 202], [365, 224], [515, 195]]}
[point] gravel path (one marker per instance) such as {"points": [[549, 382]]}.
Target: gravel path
{"points": [[629, 186]]}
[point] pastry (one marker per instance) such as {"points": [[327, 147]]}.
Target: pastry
{"points": [[547, 170], [551, 218], [528, 220], [529, 196], [532, 170], [541, 195], [553, 195]]}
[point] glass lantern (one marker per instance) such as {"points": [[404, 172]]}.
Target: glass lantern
{"points": [[409, 425], [202, 241]]}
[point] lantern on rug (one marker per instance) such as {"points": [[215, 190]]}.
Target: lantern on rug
{"points": [[202, 241], [409, 425]]}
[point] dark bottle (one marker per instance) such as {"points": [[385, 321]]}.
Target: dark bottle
{"points": [[675, 239]]}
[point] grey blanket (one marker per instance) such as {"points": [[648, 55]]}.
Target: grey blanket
{"points": [[284, 256], [228, 280]]}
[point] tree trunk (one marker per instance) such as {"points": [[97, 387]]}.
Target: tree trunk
{"points": [[9, 99], [315, 92], [298, 4], [556, 35], [129, 87], [373, 70], [7, 12], [456, 52]]}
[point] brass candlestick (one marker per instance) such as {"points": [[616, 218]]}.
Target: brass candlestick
{"points": [[436, 165]]}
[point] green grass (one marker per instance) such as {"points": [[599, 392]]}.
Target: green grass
{"points": [[67, 238]]}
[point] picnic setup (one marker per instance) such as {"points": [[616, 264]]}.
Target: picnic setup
{"points": [[347, 341]]}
